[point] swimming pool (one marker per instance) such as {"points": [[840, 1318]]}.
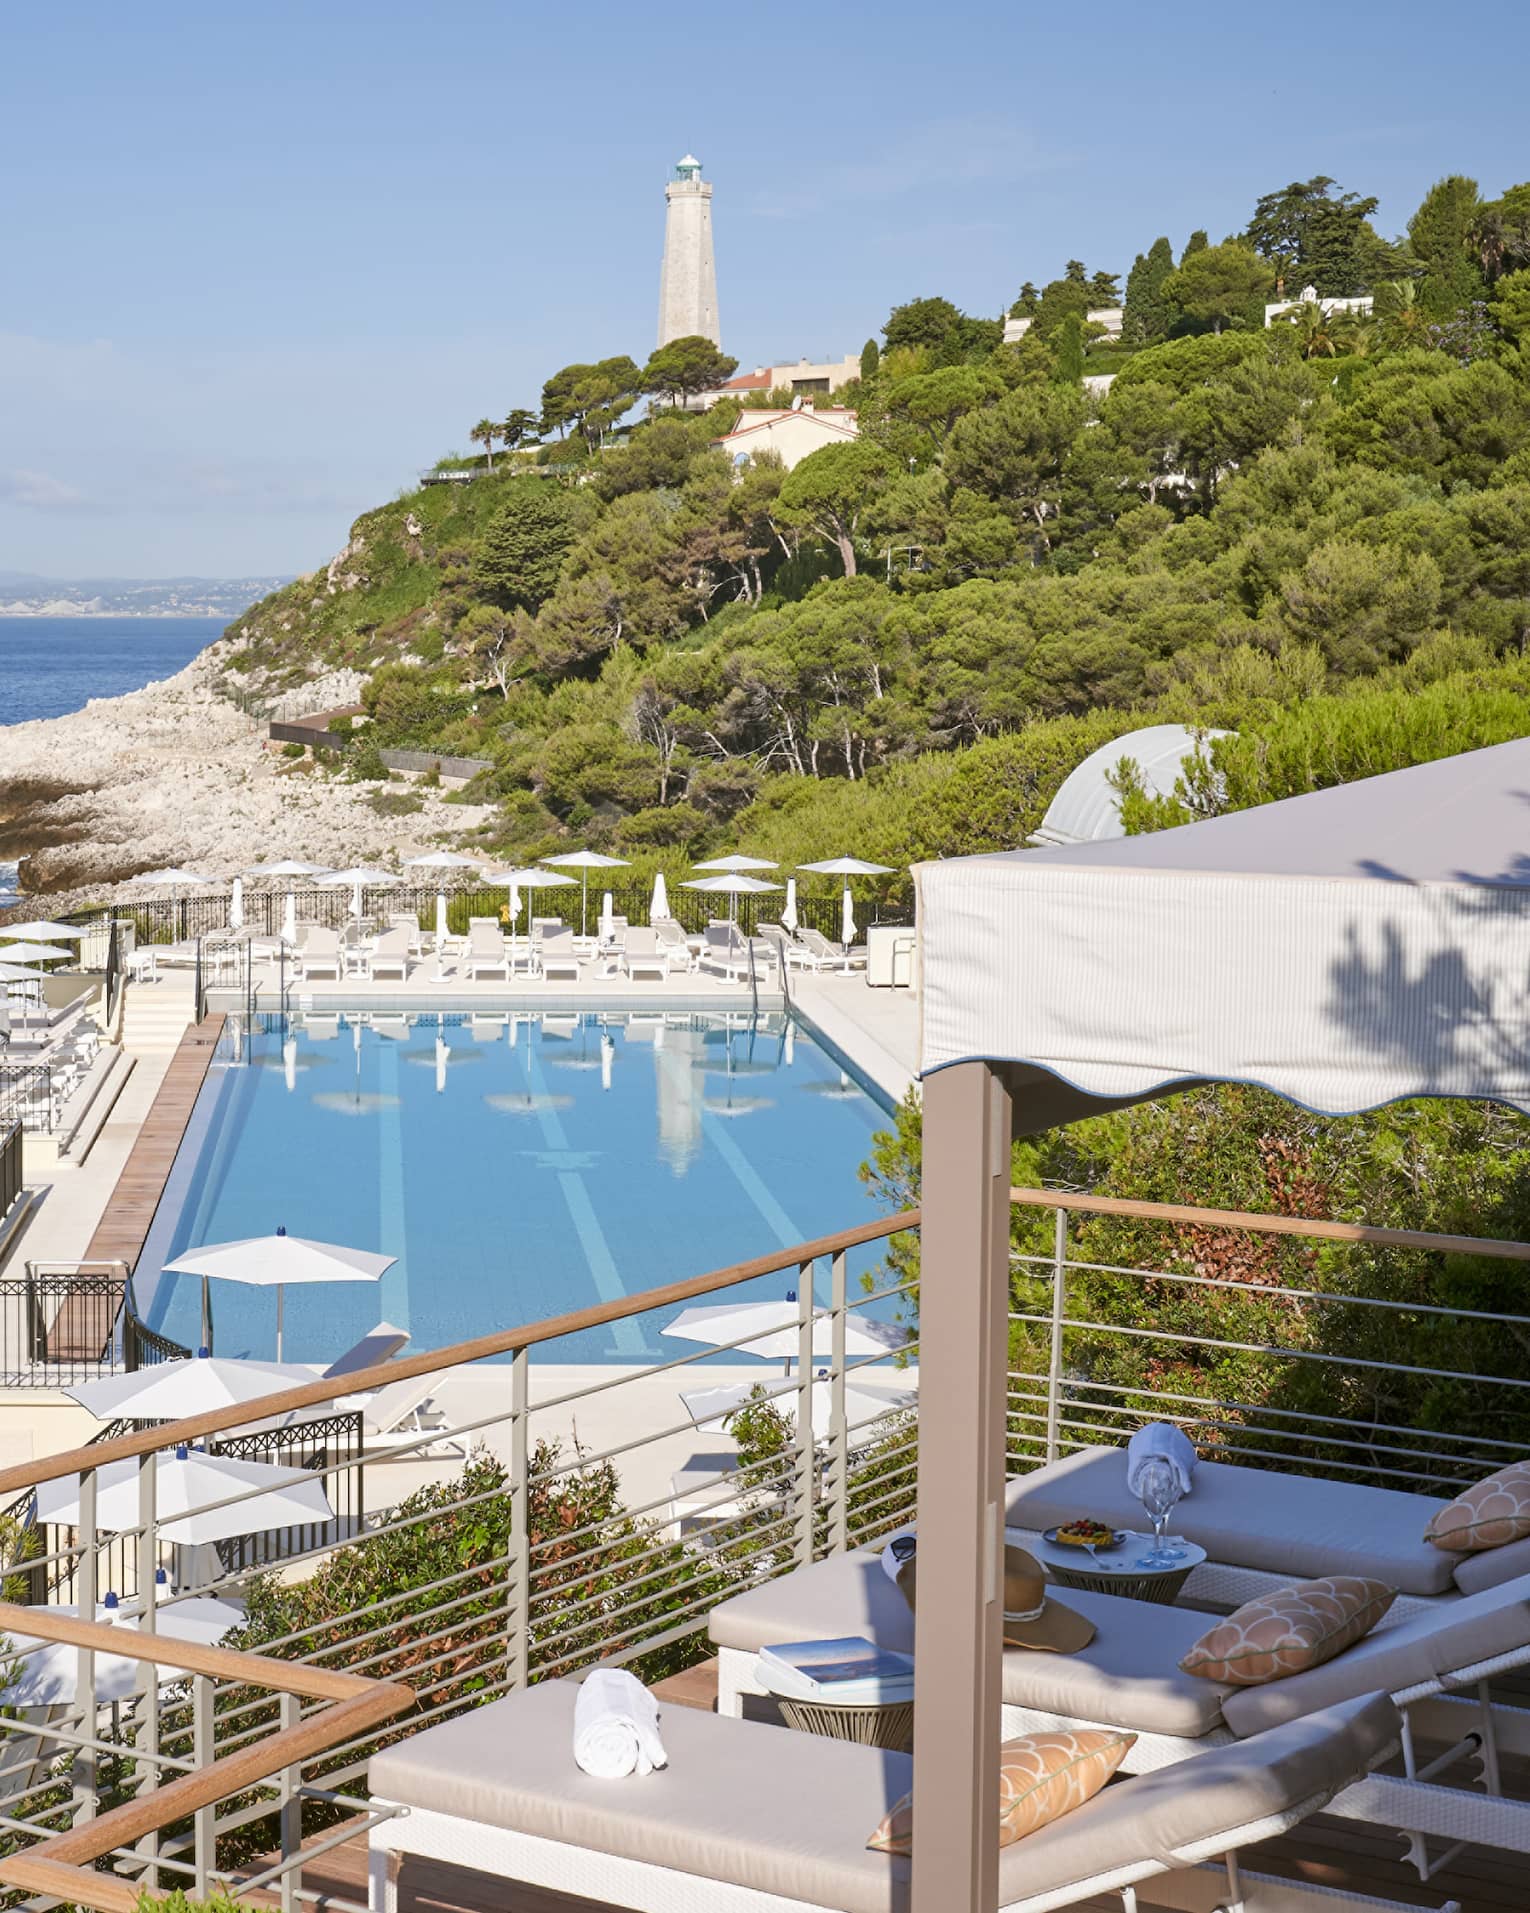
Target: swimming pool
{"points": [[517, 1165]]}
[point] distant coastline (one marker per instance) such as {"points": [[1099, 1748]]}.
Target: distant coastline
{"points": [[25, 594], [64, 609]]}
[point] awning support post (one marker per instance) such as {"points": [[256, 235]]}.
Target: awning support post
{"points": [[964, 1298]]}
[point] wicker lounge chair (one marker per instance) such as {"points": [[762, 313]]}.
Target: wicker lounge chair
{"points": [[755, 1819]]}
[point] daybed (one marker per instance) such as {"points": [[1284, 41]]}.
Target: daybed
{"points": [[748, 1818], [1262, 1529], [1129, 1677]]}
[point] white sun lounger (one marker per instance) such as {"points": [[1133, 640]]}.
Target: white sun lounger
{"points": [[388, 956], [380, 1344], [319, 954], [558, 956], [487, 953], [750, 1818], [1129, 1677], [401, 1422], [642, 956], [829, 956]]}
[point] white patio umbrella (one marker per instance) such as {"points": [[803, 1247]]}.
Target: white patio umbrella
{"points": [[442, 860], [48, 1671], [43, 930], [169, 1391], [533, 878], [286, 867], [584, 861], [710, 1407], [773, 1331], [732, 887], [272, 1261], [357, 878], [736, 863], [172, 878], [847, 867], [187, 1486], [789, 908], [33, 952], [659, 903], [236, 905]]}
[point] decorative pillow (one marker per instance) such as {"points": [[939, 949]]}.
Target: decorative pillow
{"points": [[1041, 1777], [1289, 1631], [1491, 1515]]}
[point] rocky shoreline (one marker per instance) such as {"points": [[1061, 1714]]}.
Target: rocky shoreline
{"points": [[175, 774]]}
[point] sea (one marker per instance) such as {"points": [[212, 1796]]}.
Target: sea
{"points": [[52, 665]]}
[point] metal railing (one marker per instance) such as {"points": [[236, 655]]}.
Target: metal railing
{"points": [[530, 1518], [163, 920], [12, 1184], [31, 1094], [67, 1322]]}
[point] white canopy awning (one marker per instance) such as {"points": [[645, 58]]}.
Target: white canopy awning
{"points": [[1344, 949]]}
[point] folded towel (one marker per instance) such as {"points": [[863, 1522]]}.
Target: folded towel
{"points": [[1160, 1441], [616, 1726]]}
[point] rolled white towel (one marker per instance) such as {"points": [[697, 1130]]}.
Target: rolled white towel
{"points": [[616, 1726], [1160, 1441]]}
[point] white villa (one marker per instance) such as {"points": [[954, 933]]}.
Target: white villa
{"points": [[793, 433]]}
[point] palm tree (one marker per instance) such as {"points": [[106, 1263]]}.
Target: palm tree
{"points": [[1319, 333], [484, 433], [518, 426], [1400, 319]]}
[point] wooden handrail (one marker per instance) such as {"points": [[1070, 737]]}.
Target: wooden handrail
{"points": [[63, 1866], [1267, 1225], [24, 1475]]}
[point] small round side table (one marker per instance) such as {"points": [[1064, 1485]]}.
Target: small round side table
{"points": [[1119, 1570], [890, 1726]]}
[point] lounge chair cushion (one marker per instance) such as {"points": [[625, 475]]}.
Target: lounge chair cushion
{"points": [[1128, 1676], [1289, 1631], [1191, 1803], [1041, 1777], [740, 1801], [779, 1812], [1407, 1654], [1297, 1526], [1489, 1514], [1491, 1568]]}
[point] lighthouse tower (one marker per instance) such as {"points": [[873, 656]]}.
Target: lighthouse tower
{"points": [[688, 280]]}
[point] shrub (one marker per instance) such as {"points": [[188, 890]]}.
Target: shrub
{"points": [[294, 749]]}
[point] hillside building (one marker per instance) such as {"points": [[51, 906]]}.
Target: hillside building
{"points": [[688, 277], [793, 434], [1361, 305], [1108, 318]]}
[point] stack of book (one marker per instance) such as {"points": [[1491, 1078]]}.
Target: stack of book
{"points": [[851, 1672]]}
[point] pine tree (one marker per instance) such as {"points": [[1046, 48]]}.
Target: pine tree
{"points": [[1197, 242], [1147, 319], [1068, 351], [871, 358], [1443, 233]]}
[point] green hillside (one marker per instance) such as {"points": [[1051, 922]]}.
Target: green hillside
{"points": [[1315, 533]]}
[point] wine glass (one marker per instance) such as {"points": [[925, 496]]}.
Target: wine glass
{"points": [[1159, 1492]]}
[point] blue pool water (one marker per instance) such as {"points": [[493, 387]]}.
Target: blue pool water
{"points": [[517, 1166]]}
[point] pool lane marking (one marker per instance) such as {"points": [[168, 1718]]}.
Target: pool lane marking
{"points": [[627, 1335], [391, 1236], [772, 1214]]}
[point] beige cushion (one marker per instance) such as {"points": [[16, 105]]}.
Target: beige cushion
{"points": [[1292, 1525], [740, 1801], [1399, 1656], [1128, 1675], [1490, 1514], [1041, 1777], [1289, 1631], [1158, 1815], [1492, 1567]]}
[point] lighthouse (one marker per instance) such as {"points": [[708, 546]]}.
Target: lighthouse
{"points": [[688, 279]]}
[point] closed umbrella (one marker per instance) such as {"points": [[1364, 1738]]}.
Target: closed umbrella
{"points": [[188, 1485], [236, 906], [441, 930], [847, 867], [659, 904], [170, 1391], [789, 908], [272, 1261], [584, 861], [606, 924], [289, 919]]}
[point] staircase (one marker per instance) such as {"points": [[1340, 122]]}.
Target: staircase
{"points": [[155, 1015]]}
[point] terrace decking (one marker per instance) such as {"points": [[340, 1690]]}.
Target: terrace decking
{"points": [[123, 1229]]}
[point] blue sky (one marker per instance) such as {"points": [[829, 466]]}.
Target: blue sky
{"points": [[260, 263]]}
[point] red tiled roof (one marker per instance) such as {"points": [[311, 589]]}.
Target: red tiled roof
{"points": [[748, 382]]}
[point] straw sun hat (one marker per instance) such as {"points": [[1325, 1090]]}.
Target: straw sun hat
{"points": [[1032, 1617]]}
